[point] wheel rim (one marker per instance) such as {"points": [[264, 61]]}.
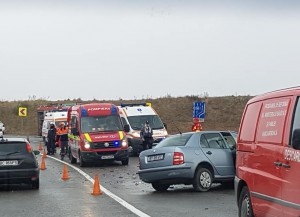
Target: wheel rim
{"points": [[205, 180], [245, 209]]}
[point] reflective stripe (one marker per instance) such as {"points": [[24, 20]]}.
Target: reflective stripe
{"points": [[88, 138], [121, 135]]}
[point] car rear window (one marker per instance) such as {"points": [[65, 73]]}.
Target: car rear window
{"points": [[178, 140], [13, 147]]}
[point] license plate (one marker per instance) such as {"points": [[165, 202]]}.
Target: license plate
{"points": [[155, 157], [9, 163], [108, 157]]}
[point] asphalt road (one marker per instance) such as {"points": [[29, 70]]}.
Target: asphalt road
{"points": [[72, 197]]}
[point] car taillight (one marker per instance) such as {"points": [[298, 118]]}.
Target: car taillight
{"points": [[28, 147], [178, 158]]}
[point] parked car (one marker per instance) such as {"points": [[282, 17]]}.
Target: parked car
{"points": [[197, 158], [18, 163]]}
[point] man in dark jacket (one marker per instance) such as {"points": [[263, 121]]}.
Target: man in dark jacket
{"points": [[146, 136], [51, 139]]}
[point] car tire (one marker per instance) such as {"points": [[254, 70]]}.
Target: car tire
{"points": [[72, 159], [81, 161], [160, 187], [245, 206], [203, 180], [35, 184], [125, 161]]}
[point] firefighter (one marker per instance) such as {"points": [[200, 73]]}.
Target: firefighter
{"points": [[197, 125], [51, 139], [62, 136]]}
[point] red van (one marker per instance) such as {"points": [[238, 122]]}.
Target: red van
{"points": [[96, 134], [267, 179]]}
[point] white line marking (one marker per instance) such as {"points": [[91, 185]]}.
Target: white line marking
{"points": [[107, 192]]}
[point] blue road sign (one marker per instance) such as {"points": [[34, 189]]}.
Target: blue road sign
{"points": [[199, 110]]}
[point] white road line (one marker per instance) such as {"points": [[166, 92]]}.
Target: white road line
{"points": [[107, 192]]}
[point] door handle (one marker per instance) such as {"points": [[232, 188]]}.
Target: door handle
{"points": [[278, 164], [286, 165], [209, 152]]}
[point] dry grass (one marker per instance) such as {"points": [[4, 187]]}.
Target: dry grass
{"points": [[222, 113]]}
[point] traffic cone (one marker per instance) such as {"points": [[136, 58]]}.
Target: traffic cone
{"points": [[96, 190], [43, 165], [40, 147], [65, 175], [44, 154]]}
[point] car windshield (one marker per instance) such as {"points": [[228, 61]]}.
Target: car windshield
{"points": [[8, 148], [101, 124], [177, 140], [57, 123], [137, 122]]}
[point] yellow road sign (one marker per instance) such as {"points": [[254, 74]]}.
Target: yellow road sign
{"points": [[22, 111]]}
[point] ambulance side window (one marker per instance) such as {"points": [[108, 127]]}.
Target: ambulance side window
{"points": [[295, 138]]}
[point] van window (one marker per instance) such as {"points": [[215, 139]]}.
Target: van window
{"points": [[247, 132], [272, 120], [295, 139], [124, 121]]}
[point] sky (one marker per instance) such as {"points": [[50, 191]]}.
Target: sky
{"points": [[134, 49]]}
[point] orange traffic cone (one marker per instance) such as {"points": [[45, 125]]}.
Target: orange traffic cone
{"points": [[43, 165], [65, 175], [96, 190], [44, 154], [40, 147]]}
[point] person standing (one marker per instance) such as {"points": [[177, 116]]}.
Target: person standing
{"points": [[62, 136], [147, 136], [51, 139], [197, 125]]}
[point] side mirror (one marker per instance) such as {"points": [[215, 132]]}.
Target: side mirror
{"points": [[166, 126], [75, 131], [36, 152], [296, 139], [126, 128]]}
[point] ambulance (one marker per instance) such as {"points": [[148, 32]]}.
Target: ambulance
{"points": [[96, 134], [135, 115], [53, 117]]}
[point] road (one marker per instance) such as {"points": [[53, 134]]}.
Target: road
{"points": [[72, 197]]}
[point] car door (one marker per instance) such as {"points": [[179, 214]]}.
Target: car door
{"points": [[291, 169], [215, 149]]}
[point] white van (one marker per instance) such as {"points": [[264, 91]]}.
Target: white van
{"points": [[135, 115], [56, 118]]}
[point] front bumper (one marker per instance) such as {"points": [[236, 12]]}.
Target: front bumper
{"points": [[18, 175], [165, 173], [100, 156]]}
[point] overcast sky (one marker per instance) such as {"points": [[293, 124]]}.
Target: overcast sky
{"points": [[59, 49]]}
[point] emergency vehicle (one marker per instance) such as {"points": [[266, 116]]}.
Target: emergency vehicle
{"points": [[268, 156], [96, 134], [53, 117], [135, 115]]}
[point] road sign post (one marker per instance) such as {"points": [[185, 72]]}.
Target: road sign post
{"points": [[199, 111], [22, 113]]}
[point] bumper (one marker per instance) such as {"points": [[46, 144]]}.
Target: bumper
{"points": [[18, 176], [166, 173], [100, 156]]}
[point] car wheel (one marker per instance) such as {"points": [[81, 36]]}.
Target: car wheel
{"points": [[245, 206], [160, 187], [81, 161], [125, 162], [202, 180], [72, 159], [35, 184]]}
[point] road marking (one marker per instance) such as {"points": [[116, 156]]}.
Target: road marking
{"points": [[107, 192]]}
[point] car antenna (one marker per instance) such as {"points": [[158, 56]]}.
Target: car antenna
{"points": [[177, 128]]}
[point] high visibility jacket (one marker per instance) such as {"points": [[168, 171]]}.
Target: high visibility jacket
{"points": [[196, 127], [62, 133]]}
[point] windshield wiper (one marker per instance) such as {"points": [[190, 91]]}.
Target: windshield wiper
{"points": [[10, 153]]}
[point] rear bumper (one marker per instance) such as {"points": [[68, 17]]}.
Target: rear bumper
{"points": [[101, 156], [171, 173], [18, 175]]}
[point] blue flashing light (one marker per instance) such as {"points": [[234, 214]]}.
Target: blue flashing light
{"points": [[133, 104], [83, 112], [114, 110], [116, 143]]}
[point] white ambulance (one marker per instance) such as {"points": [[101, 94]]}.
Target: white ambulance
{"points": [[135, 115], [55, 117]]}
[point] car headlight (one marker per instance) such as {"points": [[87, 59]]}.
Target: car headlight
{"points": [[87, 145], [124, 143]]}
